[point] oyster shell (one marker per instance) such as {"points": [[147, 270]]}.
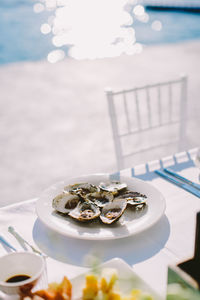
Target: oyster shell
{"points": [[81, 189], [85, 211], [100, 198], [112, 211], [133, 198], [112, 186], [65, 202]]}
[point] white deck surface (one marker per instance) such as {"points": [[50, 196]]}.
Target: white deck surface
{"points": [[54, 120]]}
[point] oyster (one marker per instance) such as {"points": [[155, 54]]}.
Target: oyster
{"points": [[112, 186], [100, 198], [133, 198], [81, 189], [112, 211], [65, 202], [85, 211]]}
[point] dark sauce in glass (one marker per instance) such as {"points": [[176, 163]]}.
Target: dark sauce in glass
{"points": [[17, 278]]}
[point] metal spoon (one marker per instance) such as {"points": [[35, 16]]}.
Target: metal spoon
{"points": [[22, 241]]}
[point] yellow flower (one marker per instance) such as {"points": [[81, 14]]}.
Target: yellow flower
{"points": [[104, 285], [114, 296], [135, 294], [107, 285], [91, 289]]}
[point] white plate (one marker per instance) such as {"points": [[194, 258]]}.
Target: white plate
{"points": [[128, 280], [130, 223]]}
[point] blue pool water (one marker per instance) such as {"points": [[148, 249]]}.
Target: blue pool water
{"points": [[20, 35], [21, 38], [177, 26]]}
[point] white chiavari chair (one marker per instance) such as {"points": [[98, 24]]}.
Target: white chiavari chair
{"points": [[149, 118]]}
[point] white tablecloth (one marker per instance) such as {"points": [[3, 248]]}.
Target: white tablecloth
{"points": [[169, 241]]}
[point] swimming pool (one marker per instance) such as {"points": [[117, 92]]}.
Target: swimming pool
{"points": [[23, 21]]}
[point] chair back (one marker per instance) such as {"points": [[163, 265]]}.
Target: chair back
{"points": [[148, 118]]}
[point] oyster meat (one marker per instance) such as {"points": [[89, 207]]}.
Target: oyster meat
{"points": [[65, 202], [81, 189], [100, 198], [85, 211], [112, 211], [107, 201], [133, 198], [112, 186]]}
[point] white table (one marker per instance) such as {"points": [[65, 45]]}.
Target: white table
{"points": [[169, 241]]}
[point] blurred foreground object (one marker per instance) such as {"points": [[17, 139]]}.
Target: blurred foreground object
{"points": [[184, 280], [55, 291], [96, 286]]}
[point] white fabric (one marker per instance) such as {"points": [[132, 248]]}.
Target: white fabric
{"points": [[169, 241]]}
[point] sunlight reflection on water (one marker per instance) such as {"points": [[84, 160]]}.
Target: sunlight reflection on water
{"points": [[92, 29]]}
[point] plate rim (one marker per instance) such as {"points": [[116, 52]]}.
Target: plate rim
{"points": [[95, 238]]}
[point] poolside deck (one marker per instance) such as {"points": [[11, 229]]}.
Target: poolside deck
{"points": [[54, 118]]}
